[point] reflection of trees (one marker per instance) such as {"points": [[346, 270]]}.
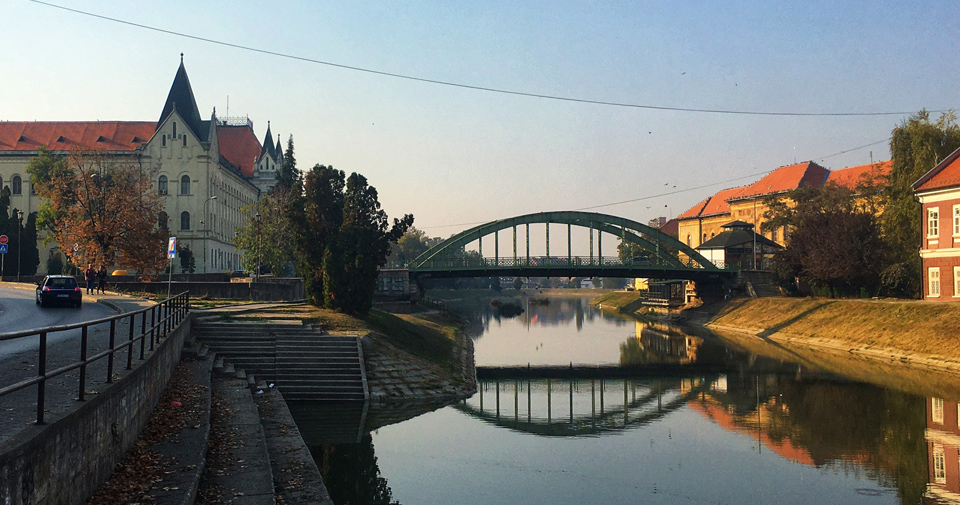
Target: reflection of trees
{"points": [[833, 423], [351, 473]]}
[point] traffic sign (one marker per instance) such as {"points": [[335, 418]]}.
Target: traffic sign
{"points": [[172, 248], [3, 248], [3, 239]]}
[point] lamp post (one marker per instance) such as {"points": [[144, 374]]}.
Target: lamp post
{"points": [[257, 217], [205, 229], [19, 242]]}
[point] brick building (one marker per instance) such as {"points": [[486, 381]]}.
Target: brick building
{"points": [[939, 194]]}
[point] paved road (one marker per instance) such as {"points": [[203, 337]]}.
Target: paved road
{"points": [[19, 357], [19, 311]]}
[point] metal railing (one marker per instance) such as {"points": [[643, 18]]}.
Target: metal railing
{"points": [[560, 261], [156, 323]]}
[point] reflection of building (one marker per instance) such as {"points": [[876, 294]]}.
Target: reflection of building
{"points": [[667, 344], [943, 449]]}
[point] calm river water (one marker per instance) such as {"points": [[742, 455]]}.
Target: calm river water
{"points": [[717, 425]]}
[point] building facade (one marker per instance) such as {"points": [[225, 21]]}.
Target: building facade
{"points": [[205, 170], [939, 194]]}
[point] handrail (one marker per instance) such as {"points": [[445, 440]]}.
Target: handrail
{"points": [[165, 317]]}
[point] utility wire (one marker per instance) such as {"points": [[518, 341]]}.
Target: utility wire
{"points": [[679, 191], [476, 87]]}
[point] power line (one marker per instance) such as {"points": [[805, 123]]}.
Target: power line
{"points": [[472, 86], [679, 191]]}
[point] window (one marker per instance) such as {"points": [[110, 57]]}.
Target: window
{"points": [[174, 130], [162, 185], [17, 185], [939, 464], [933, 222], [185, 185], [184, 140], [184, 220], [773, 235], [163, 140], [956, 219], [956, 289], [162, 220], [933, 279], [688, 239]]}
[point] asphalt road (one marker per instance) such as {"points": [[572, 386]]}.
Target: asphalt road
{"points": [[19, 311]]}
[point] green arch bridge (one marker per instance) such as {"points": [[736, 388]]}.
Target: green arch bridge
{"points": [[657, 255]]}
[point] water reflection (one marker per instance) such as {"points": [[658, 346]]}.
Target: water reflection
{"points": [[943, 447]]}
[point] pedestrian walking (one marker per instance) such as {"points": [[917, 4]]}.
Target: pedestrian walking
{"points": [[102, 279], [90, 276]]}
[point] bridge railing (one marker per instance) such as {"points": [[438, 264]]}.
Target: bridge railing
{"points": [[473, 262], [156, 323]]}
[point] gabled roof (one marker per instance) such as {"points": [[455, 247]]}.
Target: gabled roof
{"points": [[850, 177], [671, 227], [695, 210], [65, 135], [239, 145], [716, 205], [181, 98], [785, 178], [945, 175]]}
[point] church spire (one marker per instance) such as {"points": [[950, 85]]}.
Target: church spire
{"points": [[181, 99], [268, 145]]}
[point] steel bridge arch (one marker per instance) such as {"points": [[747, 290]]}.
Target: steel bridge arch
{"points": [[663, 247]]}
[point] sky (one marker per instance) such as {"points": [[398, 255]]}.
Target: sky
{"points": [[455, 157]]}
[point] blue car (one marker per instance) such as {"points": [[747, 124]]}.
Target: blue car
{"points": [[59, 289]]}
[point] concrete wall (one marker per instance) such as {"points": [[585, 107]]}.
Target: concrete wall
{"points": [[66, 461], [275, 290]]}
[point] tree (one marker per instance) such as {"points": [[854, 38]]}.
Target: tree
{"points": [[342, 238], [22, 248], [104, 205], [188, 262], [917, 145], [288, 175], [272, 240], [835, 240], [413, 243]]}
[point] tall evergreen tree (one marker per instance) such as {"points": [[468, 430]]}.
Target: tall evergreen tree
{"points": [[315, 214], [288, 175]]}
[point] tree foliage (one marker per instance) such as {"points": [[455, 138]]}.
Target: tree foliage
{"points": [[22, 249], [413, 243], [343, 237], [917, 145], [835, 240], [188, 262], [288, 175], [104, 206]]}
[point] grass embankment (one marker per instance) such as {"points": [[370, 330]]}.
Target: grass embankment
{"points": [[626, 302], [907, 326], [429, 336]]}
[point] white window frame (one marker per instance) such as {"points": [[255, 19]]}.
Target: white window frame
{"points": [[933, 281], [933, 222], [956, 220], [936, 410], [956, 292], [939, 464]]}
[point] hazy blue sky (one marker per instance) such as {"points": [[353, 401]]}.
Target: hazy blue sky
{"points": [[454, 156]]}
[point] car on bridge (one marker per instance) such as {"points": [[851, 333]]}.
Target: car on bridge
{"points": [[61, 289]]}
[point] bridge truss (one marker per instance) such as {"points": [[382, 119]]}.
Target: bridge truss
{"points": [[660, 255]]}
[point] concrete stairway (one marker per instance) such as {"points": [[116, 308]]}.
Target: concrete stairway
{"points": [[301, 361]]}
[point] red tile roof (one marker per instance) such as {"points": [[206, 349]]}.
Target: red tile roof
{"points": [[239, 145], [695, 210], [786, 178], [944, 175], [713, 206], [850, 177], [65, 135]]}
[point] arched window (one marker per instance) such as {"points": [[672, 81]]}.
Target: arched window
{"points": [[688, 239], [185, 185], [162, 220], [162, 185], [184, 220], [17, 185]]}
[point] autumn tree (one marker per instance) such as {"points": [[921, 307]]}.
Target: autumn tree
{"points": [[343, 237], [834, 241], [103, 205], [917, 145]]}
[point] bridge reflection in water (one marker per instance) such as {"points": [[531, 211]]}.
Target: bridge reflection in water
{"points": [[582, 407]]}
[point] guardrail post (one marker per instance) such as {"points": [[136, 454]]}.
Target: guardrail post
{"points": [[143, 332], [113, 343], [133, 318], [83, 362], [153, 326], [42, 372]]}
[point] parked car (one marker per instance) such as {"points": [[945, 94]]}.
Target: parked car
{"points": [[62, 289]]}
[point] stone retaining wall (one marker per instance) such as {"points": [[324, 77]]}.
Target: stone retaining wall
{"points": [[66, 461]]}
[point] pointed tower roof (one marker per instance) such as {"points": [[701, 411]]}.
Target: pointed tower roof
{"points": [[181, 98], [279, 149], [268, 147]]}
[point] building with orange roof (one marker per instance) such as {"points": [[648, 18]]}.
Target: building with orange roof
{"points": [[852, 177], [705, 220], [939, 194], [206, 170]]}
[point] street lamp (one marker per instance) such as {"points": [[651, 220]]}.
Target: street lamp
{"points": [[19, 242], [257, 217], [205, 229]]}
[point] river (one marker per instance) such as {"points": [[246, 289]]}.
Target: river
{"points": [[581, 418]]}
